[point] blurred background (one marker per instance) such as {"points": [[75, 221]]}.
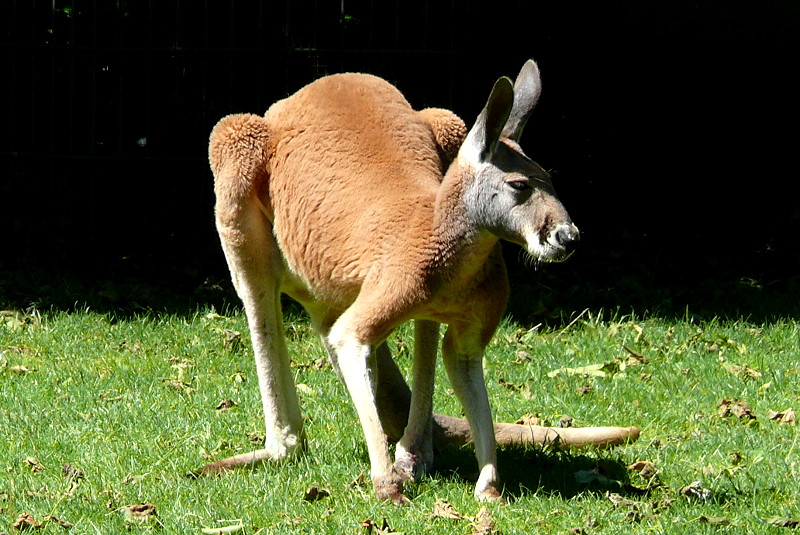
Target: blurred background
{"points": [[670, 128]]}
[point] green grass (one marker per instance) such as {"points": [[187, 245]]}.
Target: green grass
{"points": [[131, 401]]}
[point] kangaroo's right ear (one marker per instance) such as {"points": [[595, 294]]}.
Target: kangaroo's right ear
{"points": [[485, 133], [527, 89]]}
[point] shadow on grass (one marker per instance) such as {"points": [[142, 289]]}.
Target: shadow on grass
{"points": [[526, 471]]}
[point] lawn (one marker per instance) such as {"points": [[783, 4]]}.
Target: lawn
{"points": [[104, 413]]}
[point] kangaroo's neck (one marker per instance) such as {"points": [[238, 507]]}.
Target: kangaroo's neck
{"points": [[459, 240]]}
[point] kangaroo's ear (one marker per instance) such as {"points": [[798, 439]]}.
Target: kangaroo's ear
{"points": [[527, 89], [485, 133]]}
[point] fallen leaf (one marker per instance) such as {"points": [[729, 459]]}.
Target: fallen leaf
{"points": [[34, 464], [737, 408], [71, 473], [646, 469], [634, 358], [20, 369], [522, 356], [744, 371], [255, 438], [696, 490], [444, 509], [225, 405], [619, 501], [139, 513], [783, 522], [178, 385], [232, 339], [786, 417], [529, 419], [524, 389], [483, 524], [714, 520], [225, 529], [592, 370], [372, 527], [64, 524], [633, 516], [314, 494], [26, 521]]}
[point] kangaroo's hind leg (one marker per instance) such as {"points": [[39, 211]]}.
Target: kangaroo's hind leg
{"points": [[257, 269]]}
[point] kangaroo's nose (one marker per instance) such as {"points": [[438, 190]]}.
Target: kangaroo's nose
{"points": [[565, 235]]}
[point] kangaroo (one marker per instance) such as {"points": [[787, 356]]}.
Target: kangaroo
{"points": [[371, 214]]}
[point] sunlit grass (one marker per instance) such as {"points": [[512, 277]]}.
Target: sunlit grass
{"points": [[134, 402]]}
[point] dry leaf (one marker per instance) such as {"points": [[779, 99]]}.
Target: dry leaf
{"points": [[63, 523], [619, 501], [232, 338], [696, 490], [372, 527], [20, 369], [314, 494], [737, 408], [220, 531], [744, 371], [783, 522], [444, 509], [34, 464], [483, 523], [634, 358], [524, 389], [139, 513], [71, 472], [786, 417], [529, 419], [26, 521], [522, 356], [714, 520], [592, 370], [646, 469], [225, 404]]}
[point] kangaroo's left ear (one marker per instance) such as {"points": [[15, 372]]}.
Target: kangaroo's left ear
{"points": [[527, 89]]}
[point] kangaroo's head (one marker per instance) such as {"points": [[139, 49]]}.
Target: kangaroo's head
{"points": [[506, 192]]}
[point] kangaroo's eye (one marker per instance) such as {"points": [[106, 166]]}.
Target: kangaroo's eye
{"points": [[519, 185]]}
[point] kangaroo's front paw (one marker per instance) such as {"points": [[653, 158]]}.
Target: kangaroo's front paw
{"points": [[488, 487], [411, 466], [489, 494], [414, 462]]}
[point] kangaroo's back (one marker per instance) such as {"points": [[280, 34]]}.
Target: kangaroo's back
{"points": [[352, 167]]}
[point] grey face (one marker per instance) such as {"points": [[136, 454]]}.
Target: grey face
{"points": [[514, 200]]}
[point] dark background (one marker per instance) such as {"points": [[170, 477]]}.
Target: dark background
{"points": [[671, 129]]}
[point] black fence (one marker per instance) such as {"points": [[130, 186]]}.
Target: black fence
{"points": [[111, 104], [670, 128]]}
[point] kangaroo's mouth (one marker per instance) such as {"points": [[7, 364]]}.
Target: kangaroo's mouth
{"points": [[557, 246]]}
